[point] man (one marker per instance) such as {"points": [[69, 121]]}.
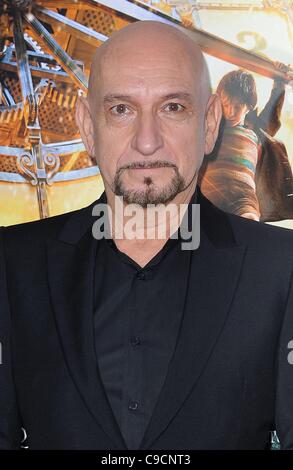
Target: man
{"points": [[250, 175], [120, 342]]}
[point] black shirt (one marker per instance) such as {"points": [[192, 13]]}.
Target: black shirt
{"points": [[137, 318]]}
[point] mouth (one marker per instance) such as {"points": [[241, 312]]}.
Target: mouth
{"points": [[148, 168]]}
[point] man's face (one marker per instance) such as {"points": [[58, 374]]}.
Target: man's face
{"points": [[233, 110], [148, 120]]}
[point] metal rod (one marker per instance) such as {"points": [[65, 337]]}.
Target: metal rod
{"points": [[35, 162], [62, 77], [76, 4], [25, 78], [66, 62], [70, 26]]}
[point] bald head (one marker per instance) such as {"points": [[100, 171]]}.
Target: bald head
{"points": [[144, 43]]}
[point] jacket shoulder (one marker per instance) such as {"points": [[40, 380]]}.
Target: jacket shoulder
{"points": [[39, 231], [261, 234]]}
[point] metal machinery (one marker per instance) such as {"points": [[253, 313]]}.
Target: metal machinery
{"points": [[45, 54]]}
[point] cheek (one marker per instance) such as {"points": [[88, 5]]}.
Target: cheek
{"points": [[188, 147], [110, 145], [188, 133], [107, 143]]}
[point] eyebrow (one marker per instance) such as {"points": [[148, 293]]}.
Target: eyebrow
{"points": [[110, 98]]}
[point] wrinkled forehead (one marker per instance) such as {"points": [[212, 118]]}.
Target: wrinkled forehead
{"points": [[151, 70], [147, 76]]}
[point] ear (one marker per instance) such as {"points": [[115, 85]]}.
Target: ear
{"points": [[85, 124], [213, 118]]}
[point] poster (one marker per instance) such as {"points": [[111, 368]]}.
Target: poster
{"points": [[44, 169]]}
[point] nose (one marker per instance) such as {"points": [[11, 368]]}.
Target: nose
{"points": [[147, 138]]}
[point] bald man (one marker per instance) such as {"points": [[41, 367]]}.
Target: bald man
{"points": [[117, 335]]}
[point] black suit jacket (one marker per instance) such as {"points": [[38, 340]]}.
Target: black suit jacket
{"points": [[229, 381]]}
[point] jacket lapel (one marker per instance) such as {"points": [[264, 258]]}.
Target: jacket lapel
{"points": [[214, 273], [71, 260]]}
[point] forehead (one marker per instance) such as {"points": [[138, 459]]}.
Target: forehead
{"points": [[225, 98], [146, 71]]}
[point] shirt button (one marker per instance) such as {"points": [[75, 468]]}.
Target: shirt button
{"points": [[135, 340], [141, 275], [133, 405]]}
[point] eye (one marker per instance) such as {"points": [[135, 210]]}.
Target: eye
{"points": [[119, 109], [175, 107]]}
